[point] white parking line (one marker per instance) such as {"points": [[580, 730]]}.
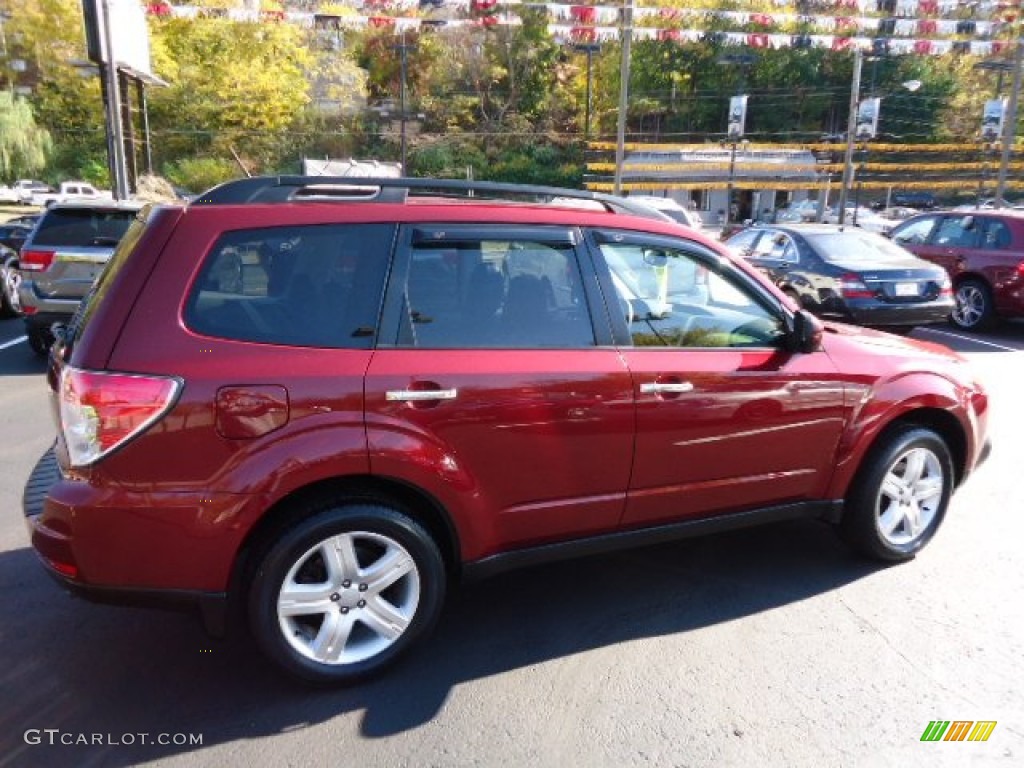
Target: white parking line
{"points": [[12, 342], [972, 340]]}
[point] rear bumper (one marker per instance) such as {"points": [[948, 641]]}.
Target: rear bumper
{"points": [[877, 313], [53, 535], [36, 304]]}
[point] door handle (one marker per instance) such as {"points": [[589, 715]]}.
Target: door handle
{"points": [[420, 395], [662, 388]]}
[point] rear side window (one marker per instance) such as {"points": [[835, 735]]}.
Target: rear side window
{"points": [[82, 227], [311, 286], [504, 294]]}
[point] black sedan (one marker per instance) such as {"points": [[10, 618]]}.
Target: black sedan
{"points": [[848, 274]]}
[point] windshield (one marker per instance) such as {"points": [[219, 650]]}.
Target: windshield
{"points": [[83, 226], [854, 246], [135, 226]]}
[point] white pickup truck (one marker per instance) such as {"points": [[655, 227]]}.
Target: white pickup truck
{"points": [[69, 191]]}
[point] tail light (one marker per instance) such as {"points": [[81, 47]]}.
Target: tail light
{"points": [[852, 287], [35, 261], [946, 287], [101, 411], [1020, 271]]}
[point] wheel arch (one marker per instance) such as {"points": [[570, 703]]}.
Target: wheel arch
{"points": [[940, 421], [306, 501]]}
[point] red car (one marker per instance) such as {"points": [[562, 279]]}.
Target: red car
{"points": [[983, 251], [315, 405]]}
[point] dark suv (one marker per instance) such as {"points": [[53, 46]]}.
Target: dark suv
{"points": [[983, 251], [62, 257], [314, 405]]}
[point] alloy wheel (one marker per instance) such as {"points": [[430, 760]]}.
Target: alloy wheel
{"points": [[910, 496], [348, 598]]}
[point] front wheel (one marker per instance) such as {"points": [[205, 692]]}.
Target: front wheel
{"points": [[974, 310], [899, 496], [341, 595]]}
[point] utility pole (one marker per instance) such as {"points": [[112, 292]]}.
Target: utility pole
{"points": [[851, 126], [620, 139], [115, 138]]}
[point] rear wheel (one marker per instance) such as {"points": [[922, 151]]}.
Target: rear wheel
{"points": [[899, 496], [974, 310], [341, 595], [40, 341]]}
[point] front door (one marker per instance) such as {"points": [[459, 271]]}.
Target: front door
{"points": [[727, 419]]}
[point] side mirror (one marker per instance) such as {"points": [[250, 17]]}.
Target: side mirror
{"points": [[805, 333]]}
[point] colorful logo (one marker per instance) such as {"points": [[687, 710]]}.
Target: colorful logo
{"points": [[958, 730]]}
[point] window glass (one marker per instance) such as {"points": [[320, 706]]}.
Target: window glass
{"points": [[671, 300], [776, 246], [743, 241], [316, 286], [83, 226], [494, 293], [915, 232], [959, 231], [997, 235]]}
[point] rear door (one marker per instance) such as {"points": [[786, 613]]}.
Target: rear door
{"points": [[493, 388], [727, 419]]}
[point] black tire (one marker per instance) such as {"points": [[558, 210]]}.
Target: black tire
{"points": [[975, 309], [40, 341], [885, 528], [9, 306], [357, 538]]}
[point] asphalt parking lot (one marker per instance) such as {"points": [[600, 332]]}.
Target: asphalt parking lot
{"points": [[766, 647]]}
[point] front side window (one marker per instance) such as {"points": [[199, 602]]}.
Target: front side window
{"points": [[776, 246], [671, 299], [478, 293], [915, 232], [311, 286]]}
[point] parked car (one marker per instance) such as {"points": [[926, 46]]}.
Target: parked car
{"points": [[25, 220], [918, 200], [672, 209], [69, 192], [8, 196], [848, 274], [983, 251], [313, 406], [62, 257], [25, 188], [12, 237]]}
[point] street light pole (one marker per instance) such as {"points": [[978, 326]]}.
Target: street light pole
{"points": [[851, 127]]}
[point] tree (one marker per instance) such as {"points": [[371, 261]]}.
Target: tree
{"points": [[234, 87], [24, 145]]}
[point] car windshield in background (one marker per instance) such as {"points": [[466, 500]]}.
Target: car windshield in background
{"points": [[85, 226], [852, 245]]}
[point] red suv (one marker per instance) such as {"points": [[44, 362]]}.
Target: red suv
{"points": [[314, 405], [983, 251]]}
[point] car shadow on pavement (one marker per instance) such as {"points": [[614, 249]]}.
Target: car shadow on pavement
{"points": [[115, 672]]}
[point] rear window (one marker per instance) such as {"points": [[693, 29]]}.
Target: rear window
{"points": [[853, 246], [311, 286], [83, 227], [125, 246]]}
